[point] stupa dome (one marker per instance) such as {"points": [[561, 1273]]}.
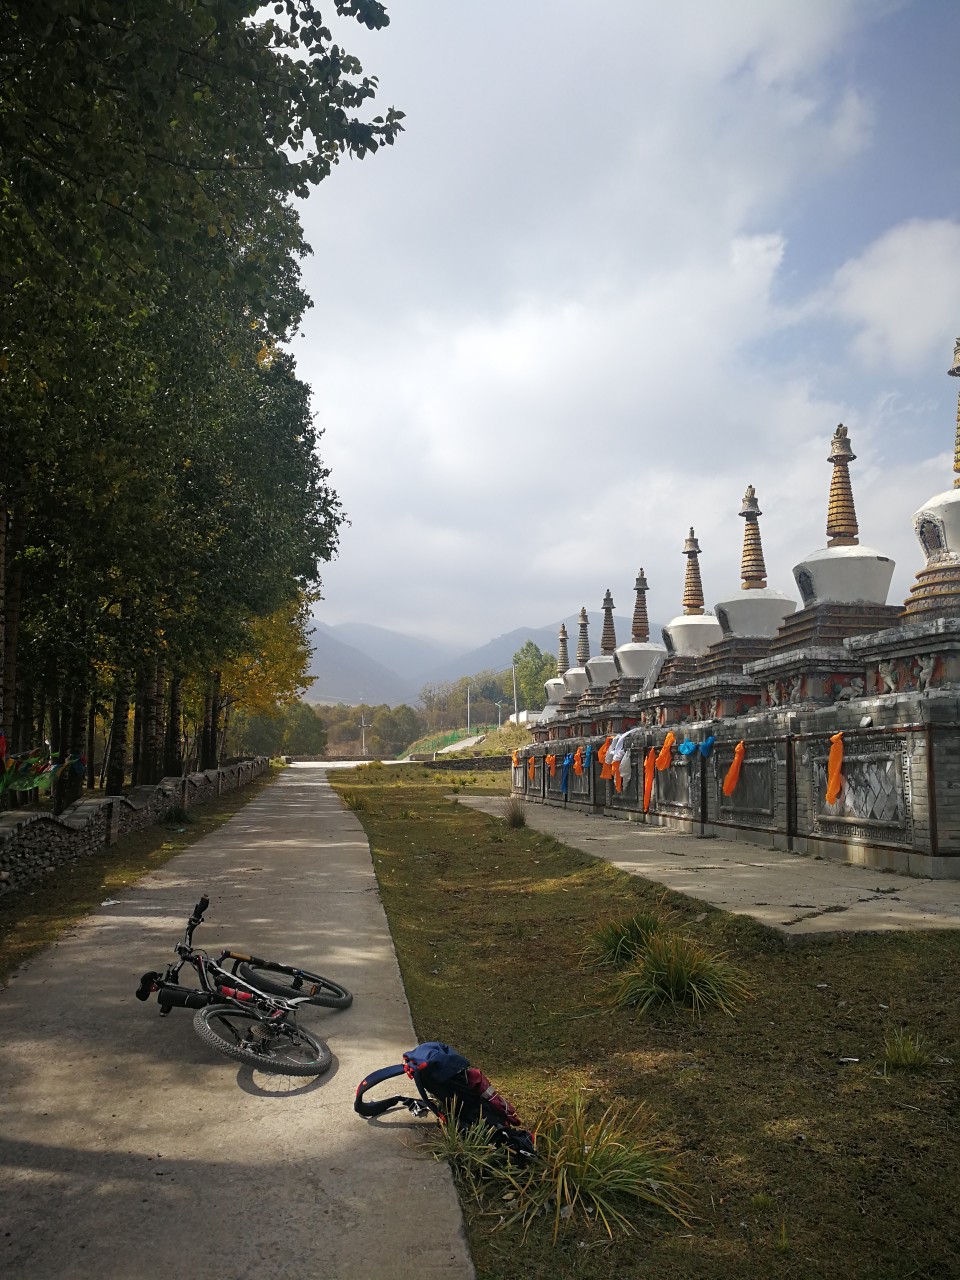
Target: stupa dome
{"points": [[757, 610], [844, 571], [692, 633]]}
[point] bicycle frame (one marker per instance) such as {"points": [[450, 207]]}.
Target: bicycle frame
{"points": [[217, 984]]}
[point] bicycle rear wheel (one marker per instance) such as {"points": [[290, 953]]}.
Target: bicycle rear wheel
{"points": [[279, 1047], [292, 983]]}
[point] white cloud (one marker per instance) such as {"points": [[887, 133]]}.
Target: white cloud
{"points": [[546, 352], [900, 295]]}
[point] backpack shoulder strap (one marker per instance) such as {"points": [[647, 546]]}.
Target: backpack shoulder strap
{"points": [[370, 1109]]}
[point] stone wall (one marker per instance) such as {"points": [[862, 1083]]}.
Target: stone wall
{"points": [[899, 809], [32, 844]]}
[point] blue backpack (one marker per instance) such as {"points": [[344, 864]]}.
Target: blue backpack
{"points": [[448, 1087]]}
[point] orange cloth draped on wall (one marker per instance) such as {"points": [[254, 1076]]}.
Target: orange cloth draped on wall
{"points": [[578, 762], [733, 773], [835, 768], [666, 751], [531, 767], [617, 780], [649, 769], [607, 770], [516, 759], [551, 765]]}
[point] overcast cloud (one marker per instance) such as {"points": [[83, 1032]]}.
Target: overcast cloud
{"points": [[628, 258]]}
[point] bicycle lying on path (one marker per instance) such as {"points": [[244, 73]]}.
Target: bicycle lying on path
{"points": [[248, 1012]]}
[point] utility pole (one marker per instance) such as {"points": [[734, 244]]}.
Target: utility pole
{"points": [[498, 705], [468, 710], [363, 736], [516, 708]]}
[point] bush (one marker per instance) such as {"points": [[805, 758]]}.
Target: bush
{"points": [[616, 943], [514, 812], [905, 1051], [585, 1171], [675, 969]]}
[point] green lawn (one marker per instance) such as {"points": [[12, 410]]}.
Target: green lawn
{"points": [[799, 1164]]}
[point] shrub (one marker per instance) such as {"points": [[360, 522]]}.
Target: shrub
{"points": [[515, 812], [354, 801], [615, 943], [675, 969], [905, 1051], [600, 1171]]}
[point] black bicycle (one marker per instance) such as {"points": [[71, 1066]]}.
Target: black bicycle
{"points": [[248, 1012]]}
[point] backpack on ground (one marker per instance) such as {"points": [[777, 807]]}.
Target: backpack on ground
{"points": [[449, 1088]]}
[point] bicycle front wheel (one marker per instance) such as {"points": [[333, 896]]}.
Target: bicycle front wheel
{"points": [[279, 1047], [284, 980]]}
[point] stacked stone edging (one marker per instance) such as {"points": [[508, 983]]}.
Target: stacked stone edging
{"points": [[33, 844]]}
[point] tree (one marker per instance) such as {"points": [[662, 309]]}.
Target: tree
{"points": [[533, 668]]}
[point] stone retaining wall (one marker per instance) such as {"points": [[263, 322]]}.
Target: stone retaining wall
{"points": [[899, 809], [32, 844]]}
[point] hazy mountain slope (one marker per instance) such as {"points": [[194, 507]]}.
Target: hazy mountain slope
{"points": [[498, 654], [344, 674], [410, 655]]}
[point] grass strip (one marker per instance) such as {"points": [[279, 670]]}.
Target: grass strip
{"points": [[804, 1157], [38, 914]]}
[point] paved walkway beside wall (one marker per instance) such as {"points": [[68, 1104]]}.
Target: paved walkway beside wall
{"points": [[129, 1150], [789, 892]]}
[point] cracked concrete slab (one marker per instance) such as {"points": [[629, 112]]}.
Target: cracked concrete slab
{"points": [[129, 1148], [796, 894]]}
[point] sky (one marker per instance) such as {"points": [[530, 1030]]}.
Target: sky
{"points": [[627, 258]]}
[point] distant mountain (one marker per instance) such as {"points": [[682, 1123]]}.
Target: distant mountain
{"points": [[411, 655], [498, 654], [356, 662], [344, 674]]}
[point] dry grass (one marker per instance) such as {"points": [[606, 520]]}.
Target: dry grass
{"points": [[799, 1164]]}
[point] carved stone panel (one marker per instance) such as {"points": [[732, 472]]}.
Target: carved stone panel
{"points": [[756, 794], [875, 802], [674, 789]]}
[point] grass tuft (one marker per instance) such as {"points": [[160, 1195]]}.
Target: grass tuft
{"points": [[514, 812], [586, 1172], [615, 943], [674, 969], [907, 1051], [353, 800]]}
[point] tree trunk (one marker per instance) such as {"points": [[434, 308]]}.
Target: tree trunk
{"points": [[206, 733], [10, 612], [92, 743], [159, 708], [137, 766], [24, 737], [53, 728], [117, 760], [172, 753]]}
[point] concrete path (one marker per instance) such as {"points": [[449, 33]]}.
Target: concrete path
{"points": [[797, 895], [129, 1151]]}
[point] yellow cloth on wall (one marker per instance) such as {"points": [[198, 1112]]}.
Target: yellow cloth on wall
{"points": [[551, 765], [578, 762], [733, 773], [617, 780], [835, 768], [516, 759], [531, 768]]}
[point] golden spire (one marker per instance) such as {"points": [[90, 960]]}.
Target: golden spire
{"points": [[608, 638], [753, 571], [955, 373], [563, 658], [583, 641], [641, 626], [842, 527], [692, 586]]}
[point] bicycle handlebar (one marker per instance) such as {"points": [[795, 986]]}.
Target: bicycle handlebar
{"points": [[201, 907]]}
